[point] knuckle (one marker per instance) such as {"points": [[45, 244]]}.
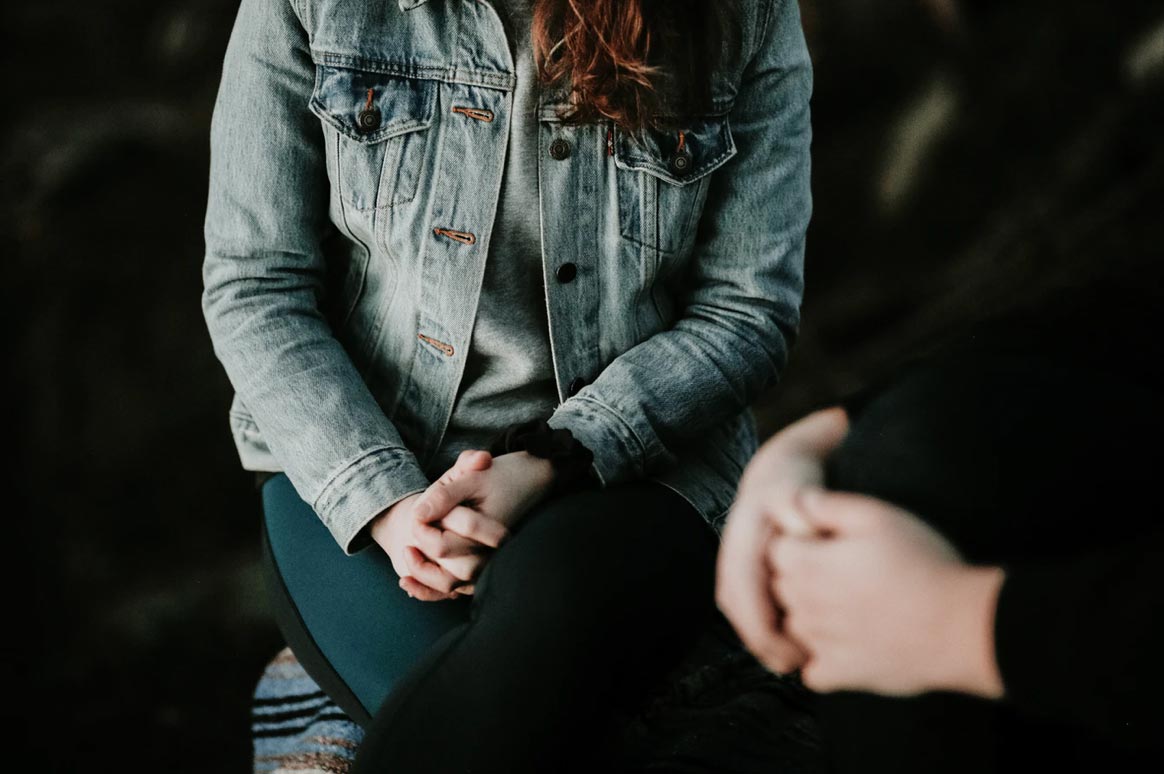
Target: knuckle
{"points": [[457, 572], [454, 520], [472, 571], [439, 578], [466, 520], [430, 578]]}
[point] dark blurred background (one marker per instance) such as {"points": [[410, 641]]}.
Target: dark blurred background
{"points": [[969, 158]]}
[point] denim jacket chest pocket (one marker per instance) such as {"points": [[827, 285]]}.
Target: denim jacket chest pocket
{"points": [[378, 126], [663, 176]]}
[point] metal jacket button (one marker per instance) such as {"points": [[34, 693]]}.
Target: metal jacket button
{"points": [[567, 271], [681, 162], [560, 148], [369, 119], [576, 384]]}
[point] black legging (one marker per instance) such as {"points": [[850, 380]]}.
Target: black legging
{"points": [[595, 596]]}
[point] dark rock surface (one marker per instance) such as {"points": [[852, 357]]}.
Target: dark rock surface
{"points": [[969, 158]]}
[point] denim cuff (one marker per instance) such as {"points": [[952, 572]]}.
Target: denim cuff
{"points": [[363, 490], [618, 453]]}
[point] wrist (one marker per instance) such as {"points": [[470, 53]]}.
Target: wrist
{"points": [[570, 462], [971, 665], [542, 473], [378, 528], [381, 524]]}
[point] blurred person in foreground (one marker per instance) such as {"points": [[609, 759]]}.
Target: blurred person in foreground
{"points": [[966, 561]]}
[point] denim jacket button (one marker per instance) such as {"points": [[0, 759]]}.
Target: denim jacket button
{"points": [[681, 163], [576, 384], [560, 148], [567, 271], [368, 120]]}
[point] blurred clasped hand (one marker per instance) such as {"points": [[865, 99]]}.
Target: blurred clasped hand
{"points": [[854, 592]]}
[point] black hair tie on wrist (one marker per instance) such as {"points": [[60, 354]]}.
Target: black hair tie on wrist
{"points": [[570, 458]]}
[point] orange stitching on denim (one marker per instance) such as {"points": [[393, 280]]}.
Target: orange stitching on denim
{"points": [[481, 114], [460, 236], [368, 104], [443, 347], [680, 141]]}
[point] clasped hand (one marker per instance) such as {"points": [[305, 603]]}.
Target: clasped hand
{"points": [[854, 592], [439, 540]]}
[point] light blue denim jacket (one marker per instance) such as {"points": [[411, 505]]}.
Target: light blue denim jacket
{"points": [[357, 149]]}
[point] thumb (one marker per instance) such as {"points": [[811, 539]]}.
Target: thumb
{"points": [[473, 459], [833, 513], [454, 486]]}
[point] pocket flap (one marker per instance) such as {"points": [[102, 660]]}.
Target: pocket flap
{"points": [[395, 104], [705, 144]]}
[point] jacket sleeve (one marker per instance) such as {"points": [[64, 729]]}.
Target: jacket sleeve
{"points": [[263, 283], [1078, 639], [741, 298]]}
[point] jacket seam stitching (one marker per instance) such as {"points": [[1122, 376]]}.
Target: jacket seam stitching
{"points": [[325, 492], [300, 9], [249, 420], [620, 418], [487, 78], [770, 12]]}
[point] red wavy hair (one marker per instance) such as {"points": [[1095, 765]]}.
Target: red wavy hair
{"points": [[638, 63]]}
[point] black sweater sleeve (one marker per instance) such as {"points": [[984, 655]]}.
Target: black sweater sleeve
{"points": [[1081, 639]]}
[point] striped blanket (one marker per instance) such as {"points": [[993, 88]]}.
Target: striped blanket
{"points": [[718, 711], [296, 727]]}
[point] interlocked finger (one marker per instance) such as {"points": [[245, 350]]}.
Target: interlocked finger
{"points": [[465, 569], [476, 526], [429, 572], [423, 593]]}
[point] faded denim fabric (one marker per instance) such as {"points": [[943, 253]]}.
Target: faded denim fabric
{"points": [[357, 148]]}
